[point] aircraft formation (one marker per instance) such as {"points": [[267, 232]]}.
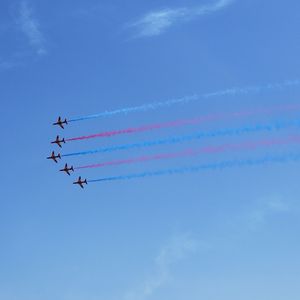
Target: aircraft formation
{"points": [[56, 157], [274, 128]]}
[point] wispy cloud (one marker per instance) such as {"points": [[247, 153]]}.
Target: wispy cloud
{"points": [[269, 207], [177, 249], [6, 65], [12, 61], [182, 246], [31, 28], [158, 22]]}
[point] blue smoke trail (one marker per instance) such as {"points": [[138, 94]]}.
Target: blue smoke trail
{"points": [[275, 126], [192, 98], [204, 167], [254, 89]]}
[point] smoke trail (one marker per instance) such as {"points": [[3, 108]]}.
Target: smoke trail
{"points": [[192, 98], [275, 126], [178, 123], [205, 167], [203, 150], [254, 89]]}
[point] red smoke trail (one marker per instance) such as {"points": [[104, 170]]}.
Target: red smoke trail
{"points": [[177, 123], [202, 150]]}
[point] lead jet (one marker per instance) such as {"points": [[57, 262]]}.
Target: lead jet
{"points": [[54, 157], [58, 141], [61, 123], [67, 169], [80, 182]]}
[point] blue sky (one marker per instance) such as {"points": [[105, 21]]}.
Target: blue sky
{"points": [[229, 234]]}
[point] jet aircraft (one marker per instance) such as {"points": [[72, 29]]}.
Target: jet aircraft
{"points": [[67, 169], [61, 123], [80, 182], [54, 157], [58, 141]]}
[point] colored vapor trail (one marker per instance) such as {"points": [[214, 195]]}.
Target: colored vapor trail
{"points": [[252, 145], [269, 127], [205, 167], [188, 99], [204, 119]]}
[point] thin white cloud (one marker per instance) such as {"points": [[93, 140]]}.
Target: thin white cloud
{"points": [[158, 22], [31, 28], [181, 247], [269, 206], [5, 65], [14, 60], [177, 249]]}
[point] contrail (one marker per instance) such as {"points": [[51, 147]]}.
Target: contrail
{"points": [[269, 127], [179, 123], [252, 145], [284, 158], [196, 97]]}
